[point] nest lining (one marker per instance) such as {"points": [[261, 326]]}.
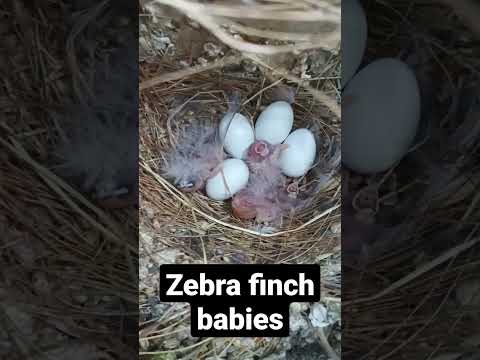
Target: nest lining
{"points": [[204, 99]]}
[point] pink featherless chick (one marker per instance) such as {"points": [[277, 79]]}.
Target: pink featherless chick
{"points": [[263, 156], [268, 195], [197, 156]]}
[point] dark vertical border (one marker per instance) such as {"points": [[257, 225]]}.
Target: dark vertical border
{"points": [[68, 254], [410, 277]]}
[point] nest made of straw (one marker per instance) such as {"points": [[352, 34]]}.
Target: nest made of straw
{"points": [[171, 108], [407, 299]]}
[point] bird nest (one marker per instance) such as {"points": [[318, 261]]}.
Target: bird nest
{"points": [[206, 229], [413, 293]]}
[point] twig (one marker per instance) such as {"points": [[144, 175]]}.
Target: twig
{"points": [[57, 184], [205, 16], [329, 40], [322, 11], [180, 74], [317, 94], [177, 350], [421, 270], [468, 11], [325, 344]]}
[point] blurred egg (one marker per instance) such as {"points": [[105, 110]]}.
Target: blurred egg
{"points": [[237, 134], [299, 156], [380, 115], [234, 174], [354, 37], [274, 123]]}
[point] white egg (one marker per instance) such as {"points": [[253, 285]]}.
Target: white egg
{"points": [[237, 134], [299, 156], [380, 116], [229, 181], [274, 123], [354, 37]]}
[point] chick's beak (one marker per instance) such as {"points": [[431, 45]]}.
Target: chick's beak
{"points": [[261, 148]]}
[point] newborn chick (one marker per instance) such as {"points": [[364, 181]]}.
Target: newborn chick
{"points": [[197, 157], [263, 157], [264, 201], [268, 196]]}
